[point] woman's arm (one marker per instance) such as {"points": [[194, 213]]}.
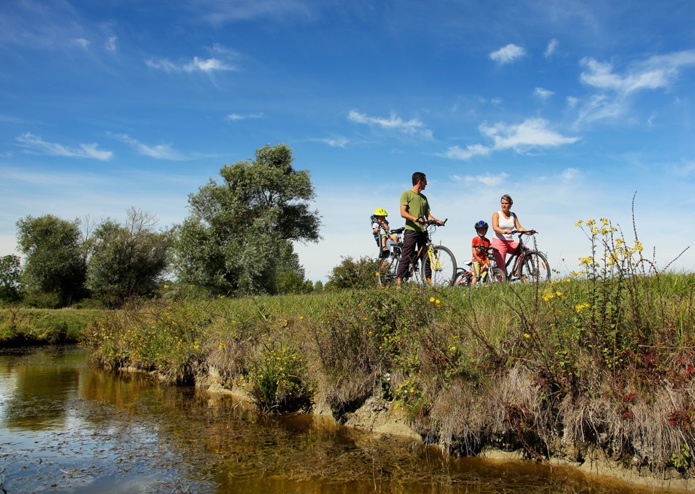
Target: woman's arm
{"points": [[517, 225]]}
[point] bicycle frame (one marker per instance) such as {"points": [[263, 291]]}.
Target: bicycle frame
{"points": [[432, 270], [533, 263]]}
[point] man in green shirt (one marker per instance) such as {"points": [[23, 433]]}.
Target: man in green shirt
{"points": [[416, 210]]}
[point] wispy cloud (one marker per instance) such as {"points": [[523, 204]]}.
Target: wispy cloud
{"points": [[486, 179], [686, 169], [542, 93], [569, 174], [205, 65], [458, 153], [393, 123], [217, 12], [508, 54], [110, 44], [615, 88], [550, 49], [656, 72], [601, 107], [335, 142], [532, 133], [35, 145], [237, 116], [80, 42], [159, 151]]}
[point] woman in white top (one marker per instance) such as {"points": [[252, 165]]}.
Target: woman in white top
{"points": [[503, 222]]}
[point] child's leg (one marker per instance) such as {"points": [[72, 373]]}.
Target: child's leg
{"points": [[476, 272]]}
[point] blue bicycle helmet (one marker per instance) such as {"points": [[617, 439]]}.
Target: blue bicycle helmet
{"points": [[480, 224]]}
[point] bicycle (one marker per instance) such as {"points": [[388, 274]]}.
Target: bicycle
{"points": [[528, 265], [489, 272], [437, 269]]}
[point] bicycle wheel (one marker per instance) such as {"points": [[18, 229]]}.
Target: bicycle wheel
{"points": [[463, 278], [387, 269], [442, 270], [535, 267], [495, 275]]}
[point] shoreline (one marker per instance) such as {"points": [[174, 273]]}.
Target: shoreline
{"points": [[380, 418]]}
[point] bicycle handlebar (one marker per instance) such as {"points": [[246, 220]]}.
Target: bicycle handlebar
{"points": [[427, 222], [525, 232]]}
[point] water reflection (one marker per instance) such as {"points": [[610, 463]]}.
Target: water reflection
{"points": [[66, 427]]}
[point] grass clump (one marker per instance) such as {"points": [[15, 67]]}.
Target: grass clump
{"points": [[25, 327]]}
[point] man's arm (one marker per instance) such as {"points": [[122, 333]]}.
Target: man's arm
{"points": [[406, 215]]}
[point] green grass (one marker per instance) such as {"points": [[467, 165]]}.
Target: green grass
{"points": [[22, 326]]}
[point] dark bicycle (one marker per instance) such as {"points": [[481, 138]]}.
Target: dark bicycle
{"points": [[434, 265], [527, 265]]}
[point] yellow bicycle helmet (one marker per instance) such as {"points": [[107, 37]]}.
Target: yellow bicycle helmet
{"points": [[380, 212]]}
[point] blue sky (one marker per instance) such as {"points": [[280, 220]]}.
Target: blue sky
{"points": [[570, 107]]}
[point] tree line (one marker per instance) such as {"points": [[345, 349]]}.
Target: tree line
{"points": [[237, 240]]}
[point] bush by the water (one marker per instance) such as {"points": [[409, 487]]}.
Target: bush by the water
{"points": [[603, 357]]}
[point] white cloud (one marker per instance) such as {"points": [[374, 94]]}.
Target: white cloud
{"points": [[457, 153], [486, 179], [601, 107], [656, 72], [394, 123], [80, 42], [569, 174], [550, 49], [508, 54], [236, 116], [335, 142], [686, 169], [159, 151], [531, 133], [572, 101], [217, 12], [196, 65], [35, 145], [543, 93], [615, 88], [111, 45]]}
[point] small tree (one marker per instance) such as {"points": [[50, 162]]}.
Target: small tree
{"points": [[54, 267], [126, 260], [10, 275], [235, 237], [352, 273]]}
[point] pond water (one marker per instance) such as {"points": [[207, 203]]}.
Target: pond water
{"points": [[67, 427]]}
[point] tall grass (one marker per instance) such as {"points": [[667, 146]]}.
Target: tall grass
{"points": [[21, 326], [603, 358]]}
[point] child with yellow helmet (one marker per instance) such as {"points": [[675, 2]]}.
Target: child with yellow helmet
{"points": [[380, 229]]}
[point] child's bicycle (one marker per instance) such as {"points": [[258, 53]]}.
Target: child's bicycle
{"points": [[437, 269], [527, 265], [489, 272]]}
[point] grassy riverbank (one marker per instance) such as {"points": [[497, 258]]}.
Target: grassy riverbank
{"points": [[23, 326], [553, 369]]}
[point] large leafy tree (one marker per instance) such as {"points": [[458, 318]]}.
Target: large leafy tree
{"points": [[126, 260], [237, 235], [54, 260]]}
